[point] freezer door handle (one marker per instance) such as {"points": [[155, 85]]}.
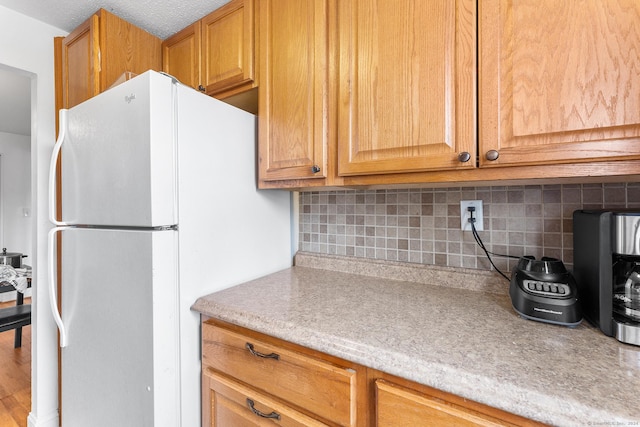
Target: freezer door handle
{"points": [[55, 155], [53, 294]]}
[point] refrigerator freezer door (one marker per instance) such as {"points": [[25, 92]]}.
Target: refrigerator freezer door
{"points": [[119, 156], [120, 307]]}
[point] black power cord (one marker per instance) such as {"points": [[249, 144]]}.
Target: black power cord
{"points": [[488, 253]]}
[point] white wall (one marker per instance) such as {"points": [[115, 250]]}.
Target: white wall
{"points": [[27, 46], [15, 192]]}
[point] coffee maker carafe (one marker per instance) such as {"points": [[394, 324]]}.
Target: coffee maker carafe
{"points": [[606, 260], [626, 288]]}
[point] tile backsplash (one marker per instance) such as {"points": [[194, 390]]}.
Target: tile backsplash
{"points": [[423, 225]]}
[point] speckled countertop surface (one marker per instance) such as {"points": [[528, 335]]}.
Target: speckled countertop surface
{"points": [[450, 329]]}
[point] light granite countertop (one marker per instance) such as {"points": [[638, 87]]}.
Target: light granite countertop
{"points": [[451, 329]]}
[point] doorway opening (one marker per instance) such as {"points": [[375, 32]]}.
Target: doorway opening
{"points": [[16, 232]]}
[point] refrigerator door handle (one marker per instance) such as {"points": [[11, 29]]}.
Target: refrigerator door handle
{"points": [[53, 295], [55, 155]]}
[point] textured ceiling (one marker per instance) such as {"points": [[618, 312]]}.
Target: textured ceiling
{"points": [[159, 17]]}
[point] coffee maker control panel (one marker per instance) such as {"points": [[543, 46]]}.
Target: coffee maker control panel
{"points": [[549, 289]]}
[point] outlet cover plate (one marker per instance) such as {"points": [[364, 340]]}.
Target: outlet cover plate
{"points": [[465, 225]]}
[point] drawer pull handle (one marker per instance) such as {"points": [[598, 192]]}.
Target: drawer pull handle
{"points": [[261, 414], [249, 347]]}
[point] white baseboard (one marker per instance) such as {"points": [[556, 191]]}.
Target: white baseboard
{"points": [[52, 420]]}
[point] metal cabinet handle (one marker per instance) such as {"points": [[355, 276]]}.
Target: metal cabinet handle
{"points": [[315, 168], [249, 347], [464, 157], [261, 414], [202, 88], [492, 155]]}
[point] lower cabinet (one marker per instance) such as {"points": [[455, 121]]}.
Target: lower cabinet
{"points": [[415, 405], [251, 379], [231, 403], [278, 377]]}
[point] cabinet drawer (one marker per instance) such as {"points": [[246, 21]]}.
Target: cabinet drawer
{"points": [[318, 387], [232, 404]]}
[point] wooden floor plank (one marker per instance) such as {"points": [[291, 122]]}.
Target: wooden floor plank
{"points": [[15, 376], [15, 410], [6, 419]]}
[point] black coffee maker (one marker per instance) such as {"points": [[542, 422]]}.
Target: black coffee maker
{"points": [[606, 260]]}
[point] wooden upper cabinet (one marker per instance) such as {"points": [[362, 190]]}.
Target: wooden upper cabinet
{"points": [[406, 85], [97, 53], [559, 81], [215, 55], [181, 55], [228, 47], [80, 60], [293, 90]]}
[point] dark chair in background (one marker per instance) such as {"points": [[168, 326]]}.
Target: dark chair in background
{"points": [[15, 317]]}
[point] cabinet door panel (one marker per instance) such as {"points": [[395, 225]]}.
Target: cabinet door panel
{"points": [[560, 80], [80, 65], [228, 405], [293, 89], [317, 386], [398, 406], [181, 55], [228, 40], [406, 85]]}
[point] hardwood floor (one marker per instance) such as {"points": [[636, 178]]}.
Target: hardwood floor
{"points": [[15, 377]]}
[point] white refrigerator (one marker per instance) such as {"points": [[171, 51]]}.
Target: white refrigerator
{"points": [[159, 207]]}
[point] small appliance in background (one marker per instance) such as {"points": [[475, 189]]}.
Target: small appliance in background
{"points": [[606, 258], [543, 290], [14, 259]]}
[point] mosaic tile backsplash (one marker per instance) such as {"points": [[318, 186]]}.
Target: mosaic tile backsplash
{"points": [[423, 225]]}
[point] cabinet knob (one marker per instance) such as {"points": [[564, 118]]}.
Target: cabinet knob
{"points": [[202, 88], [315, 168], [492, 155], [464, 156]]}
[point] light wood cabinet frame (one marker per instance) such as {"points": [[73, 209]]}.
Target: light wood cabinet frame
{"points": [[217, 54], [559, 81], [407, 86]]}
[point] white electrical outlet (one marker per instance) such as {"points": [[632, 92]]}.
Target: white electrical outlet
{"points": [[465, 225]]}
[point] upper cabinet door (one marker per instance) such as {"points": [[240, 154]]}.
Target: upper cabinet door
{"points": [[181, 56], [406, 85], [228, 47], [99, 52], [293, 90], [559, 81], [80, 63]]}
